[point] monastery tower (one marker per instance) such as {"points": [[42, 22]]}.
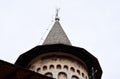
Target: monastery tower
{"points": [[57, 58]]}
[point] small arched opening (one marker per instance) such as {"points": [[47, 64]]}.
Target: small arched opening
{"points": [[83, 74], [38, 69], [51, 66], [65, 67], [72, 69], [44, 67], [78, 71], [58, 66]]}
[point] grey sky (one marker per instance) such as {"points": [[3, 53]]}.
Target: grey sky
{"points": [[90, 24]]}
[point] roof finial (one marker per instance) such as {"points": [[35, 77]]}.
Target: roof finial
{"points": [[57, 17]]}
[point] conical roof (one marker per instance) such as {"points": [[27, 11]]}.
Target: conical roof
{"points": [[57, 35]]}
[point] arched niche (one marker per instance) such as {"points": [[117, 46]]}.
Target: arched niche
{"points": [[49, 74], [62, 75]]}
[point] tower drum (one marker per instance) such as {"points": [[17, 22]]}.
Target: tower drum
{"points": [[59, 65]]}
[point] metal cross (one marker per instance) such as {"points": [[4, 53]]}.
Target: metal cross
{"points": [[57, 17], [57, 10]]}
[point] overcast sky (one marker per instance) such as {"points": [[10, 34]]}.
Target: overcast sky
{"points": [[90, 24]]}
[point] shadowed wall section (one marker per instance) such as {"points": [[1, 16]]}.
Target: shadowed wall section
{"points": [[10, 71]]}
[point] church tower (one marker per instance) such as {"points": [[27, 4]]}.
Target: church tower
{"points": [[57, 58]]}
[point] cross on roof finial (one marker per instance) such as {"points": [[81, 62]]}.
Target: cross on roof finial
{"points": [[57, 17]]}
